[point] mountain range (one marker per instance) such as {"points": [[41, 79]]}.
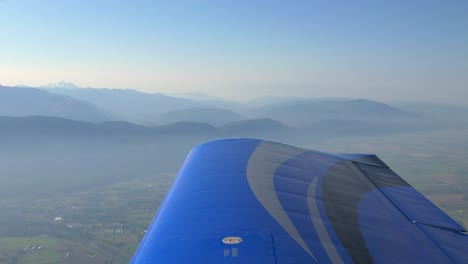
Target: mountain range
{"points": [[44, 126], [130, 105], [306, 112], [153, 113], [15, 101]]}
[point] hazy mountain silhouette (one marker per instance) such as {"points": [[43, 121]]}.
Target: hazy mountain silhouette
{"points": [[185, 117], [186, 128], [123, 128], [272, 100], [40, 126], [210, 101], [132, 105], [63, 85], [254, 125], [23, 101], [156, 108], [339, 127], [213, 116], [47, 126], [43, 126], [436, 111], [196, 96], [300, 113]]}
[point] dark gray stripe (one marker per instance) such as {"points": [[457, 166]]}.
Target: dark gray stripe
{"points": [[317, 221], [342, 188]]}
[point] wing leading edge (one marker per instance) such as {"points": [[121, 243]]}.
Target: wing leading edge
{"points": [[254, 201]]}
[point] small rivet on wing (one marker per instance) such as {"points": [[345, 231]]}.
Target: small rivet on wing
{"points": [[232, 240]]}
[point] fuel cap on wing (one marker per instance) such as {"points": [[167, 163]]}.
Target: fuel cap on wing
{"points": [[232, 240]]}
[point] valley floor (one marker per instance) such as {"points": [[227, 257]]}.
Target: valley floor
{"points": [[104, 223]]}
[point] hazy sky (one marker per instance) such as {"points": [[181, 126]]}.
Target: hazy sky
{"points": [[239, 49]]}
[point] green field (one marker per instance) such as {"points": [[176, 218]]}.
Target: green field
{"points": [[31, 250], [99, 225]]}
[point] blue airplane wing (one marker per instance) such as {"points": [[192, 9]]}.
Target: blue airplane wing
{"points": [[254, 201]]}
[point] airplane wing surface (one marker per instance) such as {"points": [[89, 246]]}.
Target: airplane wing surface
{"points": [[254, 201]]}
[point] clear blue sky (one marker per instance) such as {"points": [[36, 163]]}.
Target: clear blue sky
{"points": [[240, 49]]}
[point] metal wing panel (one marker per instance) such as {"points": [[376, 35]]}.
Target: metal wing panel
{"points": [[390, 237], [210, 200], [454, 244], [410, 202], [290, 205]]}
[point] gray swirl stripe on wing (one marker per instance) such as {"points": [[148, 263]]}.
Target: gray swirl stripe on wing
{"points": [[261, 168], [320, 226]]}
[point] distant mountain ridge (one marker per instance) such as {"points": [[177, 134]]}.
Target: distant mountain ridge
{"points": [[54, 126], [60, 85], [435, 111], [300, 113], [213, 116], [255, 125], [145, 108], [131, 105], [24, 101], [69, 101], [271, 100]]}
